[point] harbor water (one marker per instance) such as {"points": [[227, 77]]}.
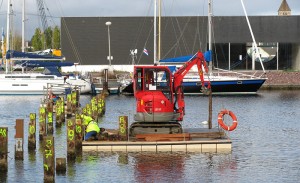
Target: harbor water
{"points": [[265, 145]]}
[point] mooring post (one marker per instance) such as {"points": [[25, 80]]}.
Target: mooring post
{"points": [[105, 83], [42, 122], [103, 104], [210, 110], [77, 97], [94, 108], [78, 134], [3, 149], [50, 117], [49, 158], [123, 127], [89, 109], [69, 105], [58, 116], [74, 101], [62, 108], [19, 139], [84, 111], [99, 106], [32, 132], [71, 139], [61, 165]]}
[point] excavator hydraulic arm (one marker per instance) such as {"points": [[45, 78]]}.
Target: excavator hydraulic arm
{"points": [[197, 59]]}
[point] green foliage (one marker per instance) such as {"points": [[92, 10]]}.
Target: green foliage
{"points": [[49, 39], [17, 42], [56, 38], [37, 40]]}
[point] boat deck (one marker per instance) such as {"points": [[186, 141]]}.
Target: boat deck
{"points": [[193, 140]]}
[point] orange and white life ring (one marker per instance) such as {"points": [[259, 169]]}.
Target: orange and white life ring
{"points": [[221, 122]]}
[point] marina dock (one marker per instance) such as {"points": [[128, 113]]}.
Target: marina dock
{"points": [[193, 140]]}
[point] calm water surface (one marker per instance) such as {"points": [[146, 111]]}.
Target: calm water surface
{"points": [[265, 145]]}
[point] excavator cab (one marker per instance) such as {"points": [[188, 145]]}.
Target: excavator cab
{"points": [[153, 90], [152, 79]]}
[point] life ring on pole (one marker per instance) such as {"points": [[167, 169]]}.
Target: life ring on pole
{"points": [[221, 121]]}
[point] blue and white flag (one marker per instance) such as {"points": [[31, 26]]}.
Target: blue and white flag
{"points": [[145, 51]]}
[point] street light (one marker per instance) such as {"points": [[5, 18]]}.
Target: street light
{"points": [[133, 55], [109, 54]]}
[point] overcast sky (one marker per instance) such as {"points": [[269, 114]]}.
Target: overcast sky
{"points": [[107, 8]]}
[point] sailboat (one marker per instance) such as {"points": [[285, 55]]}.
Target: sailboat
{"points": [[222, 81], [13, 83]]}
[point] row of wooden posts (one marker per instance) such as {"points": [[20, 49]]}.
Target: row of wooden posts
{"points": [[75, 131]]}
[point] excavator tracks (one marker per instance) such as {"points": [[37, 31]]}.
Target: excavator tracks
{"points": [[155, 128]]}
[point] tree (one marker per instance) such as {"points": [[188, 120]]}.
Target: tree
{"points": [[17, 42], [37, 40], [48, 37], [56, 38]]}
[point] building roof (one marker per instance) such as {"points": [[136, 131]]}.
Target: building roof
{"points": [[284, 6]]}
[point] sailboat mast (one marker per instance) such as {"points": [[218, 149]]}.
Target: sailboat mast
{"points": [[7, 32], [8, 24], [210, 63], [209, 34], [159, 29], [252, 35], [23, 27], [154, 32]]}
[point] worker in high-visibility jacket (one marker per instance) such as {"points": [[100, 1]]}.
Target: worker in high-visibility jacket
{"points": [[92, 128], [86, 119]]}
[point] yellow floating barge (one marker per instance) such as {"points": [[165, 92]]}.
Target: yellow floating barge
{"points": [[193, 140]]}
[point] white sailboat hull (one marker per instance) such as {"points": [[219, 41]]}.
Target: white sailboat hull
{"points": [[26, 84]]}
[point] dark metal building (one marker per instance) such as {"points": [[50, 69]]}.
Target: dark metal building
{"points": [[85, 39]]}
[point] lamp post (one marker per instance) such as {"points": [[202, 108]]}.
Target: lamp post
{"points": [[109, 54]]}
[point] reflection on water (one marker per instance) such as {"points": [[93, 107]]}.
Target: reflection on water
{"points": [[166, 167], [265, 144]]}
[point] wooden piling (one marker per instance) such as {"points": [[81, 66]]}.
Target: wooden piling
{"points": [[3, 149], [61, 165], [69, 105], [103, 104], [89, 110], [50, 117], [105, 83], [74, 101], [77, 97], [99, 106], [59, 112], [32, 132], [94, 109], [49, 158], [42, 122], [84, 111], [19, 139], [71, 139], [63, 111], [123, 127], [78, 134]]}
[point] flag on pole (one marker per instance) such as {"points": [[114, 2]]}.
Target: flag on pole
{"points": [[145, 52]]}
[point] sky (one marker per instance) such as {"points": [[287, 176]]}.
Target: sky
{"points": [[118, 8]]}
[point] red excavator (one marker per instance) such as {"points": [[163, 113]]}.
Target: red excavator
{"points": [[159, 96]]}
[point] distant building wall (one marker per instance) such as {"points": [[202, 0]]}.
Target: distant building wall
{"points": [[296, 57], [85, 39]]}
